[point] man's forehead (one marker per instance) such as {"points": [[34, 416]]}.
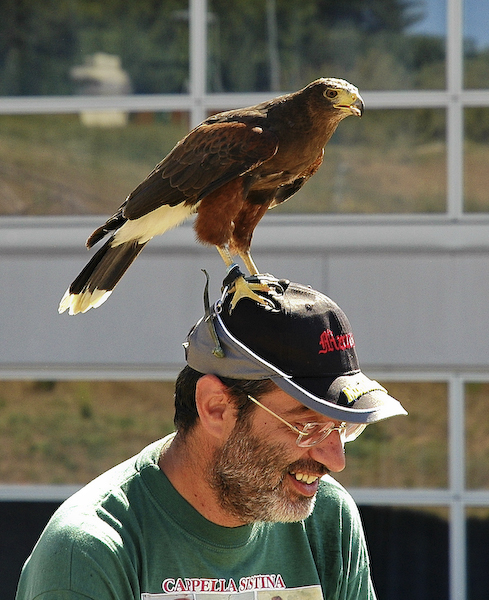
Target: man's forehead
{"points": [[290, 407]]}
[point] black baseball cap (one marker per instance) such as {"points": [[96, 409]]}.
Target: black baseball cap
{"points": [[301, 340]]}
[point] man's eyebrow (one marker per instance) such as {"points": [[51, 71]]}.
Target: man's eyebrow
{"points": [[300, 410]]}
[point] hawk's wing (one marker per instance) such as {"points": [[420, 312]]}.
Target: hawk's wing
{"points": [[208, 157]]}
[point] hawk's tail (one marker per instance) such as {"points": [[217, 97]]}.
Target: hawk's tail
{"points": [[96, 281]]}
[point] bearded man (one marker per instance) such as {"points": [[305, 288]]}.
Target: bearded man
{"points": [[239, 501]]}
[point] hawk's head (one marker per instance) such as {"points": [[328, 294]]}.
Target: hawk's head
{"points": [[339, 95]]}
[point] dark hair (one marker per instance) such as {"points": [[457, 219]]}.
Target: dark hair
{"points": [[185, 408]]}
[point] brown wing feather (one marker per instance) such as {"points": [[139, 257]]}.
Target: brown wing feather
{"points": [[207, 158], [284, 192]]}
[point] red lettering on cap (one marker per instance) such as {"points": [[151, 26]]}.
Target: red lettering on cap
{"points": [[329, 342]]}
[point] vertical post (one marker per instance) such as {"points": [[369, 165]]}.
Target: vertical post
{"points": [[198, 59], [456, 464], [273, 55], [455, 110]]}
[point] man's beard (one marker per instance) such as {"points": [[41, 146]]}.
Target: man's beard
{"points": [[249, 478]]}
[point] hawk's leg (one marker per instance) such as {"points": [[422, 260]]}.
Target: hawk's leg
{"points": [[249, 262], [240, 287]]}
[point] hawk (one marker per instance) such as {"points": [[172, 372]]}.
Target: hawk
{"points": [[229, 171]]}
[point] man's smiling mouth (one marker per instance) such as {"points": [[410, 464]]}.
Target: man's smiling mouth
{"points": [[304, 477]]}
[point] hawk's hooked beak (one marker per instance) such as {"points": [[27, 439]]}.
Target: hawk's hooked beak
{"points": [[357, 107], [351, 103]]}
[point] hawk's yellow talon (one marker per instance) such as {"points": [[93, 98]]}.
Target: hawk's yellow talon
{"points": [[243, 289]]}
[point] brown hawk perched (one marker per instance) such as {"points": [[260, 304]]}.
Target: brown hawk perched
{"points": [[228, 171]]}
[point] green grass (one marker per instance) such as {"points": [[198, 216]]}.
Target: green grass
{"points": [[477, 439], [404, 179], [69, 432], [406, 451], [476, 177], [53, 165]]}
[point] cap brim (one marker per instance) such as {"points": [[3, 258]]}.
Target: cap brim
{"points": [[369, 401]]}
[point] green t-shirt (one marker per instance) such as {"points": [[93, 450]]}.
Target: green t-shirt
{"points": [[129, 535]]}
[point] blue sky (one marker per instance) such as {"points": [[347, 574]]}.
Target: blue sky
{"points": [[476, 20], [476, 25]]}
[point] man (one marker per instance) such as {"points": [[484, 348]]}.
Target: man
{"points": [[239, 502]]}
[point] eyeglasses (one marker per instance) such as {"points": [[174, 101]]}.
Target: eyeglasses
{"points": [[311, 434]]}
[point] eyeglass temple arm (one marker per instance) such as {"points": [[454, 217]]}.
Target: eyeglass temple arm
{"points": [[296, 429]]}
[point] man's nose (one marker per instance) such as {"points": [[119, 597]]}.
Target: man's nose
{"points": [[330, 452]]}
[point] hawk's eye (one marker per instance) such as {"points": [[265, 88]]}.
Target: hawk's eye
{"points": [[331, 93]]}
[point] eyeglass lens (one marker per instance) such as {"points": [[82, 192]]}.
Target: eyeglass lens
{"points": [[313, 433]]}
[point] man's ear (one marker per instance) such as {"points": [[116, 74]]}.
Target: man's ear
{"points": [[216, 411]]}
